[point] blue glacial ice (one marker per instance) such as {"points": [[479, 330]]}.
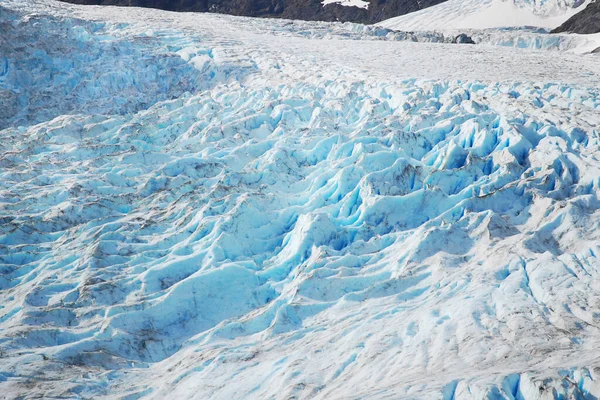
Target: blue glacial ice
{"points": [[184, 217]]}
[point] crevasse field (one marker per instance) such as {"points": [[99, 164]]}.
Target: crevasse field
{"points": [[209, 207]]}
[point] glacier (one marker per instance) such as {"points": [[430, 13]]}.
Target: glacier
{"points": [[203, 206]]}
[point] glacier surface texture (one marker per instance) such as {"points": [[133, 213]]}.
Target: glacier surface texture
{"points": [[210, 207]]}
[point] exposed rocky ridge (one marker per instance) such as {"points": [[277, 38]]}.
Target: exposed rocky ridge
{"points": [[311, 10], [586, 21]]}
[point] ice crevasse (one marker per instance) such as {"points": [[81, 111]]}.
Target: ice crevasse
{"points": [[183, 216]]}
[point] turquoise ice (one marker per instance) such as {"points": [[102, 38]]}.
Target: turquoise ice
{"points": [[189, 213]]}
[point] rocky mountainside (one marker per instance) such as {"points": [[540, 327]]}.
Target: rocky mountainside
{"points": [[586, 21], [311, 10]]}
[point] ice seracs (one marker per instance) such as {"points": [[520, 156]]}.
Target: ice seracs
{"points": [[232, 208]]}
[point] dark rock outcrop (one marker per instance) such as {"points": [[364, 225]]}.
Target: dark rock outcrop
{"points": [[585, 21], [310, 10], [463, 38]]}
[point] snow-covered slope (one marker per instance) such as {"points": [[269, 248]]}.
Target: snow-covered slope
{"points": [[348, 3], [200, 206], [484, 14], [586, 21]]}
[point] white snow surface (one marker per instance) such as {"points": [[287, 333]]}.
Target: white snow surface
{"points": [[485, 14], [348, 3], [210, 207]]}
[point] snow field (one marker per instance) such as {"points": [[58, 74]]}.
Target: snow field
{"points": [[486, 14]]}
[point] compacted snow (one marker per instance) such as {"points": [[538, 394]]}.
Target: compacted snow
{"points": [[200, 206]]}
